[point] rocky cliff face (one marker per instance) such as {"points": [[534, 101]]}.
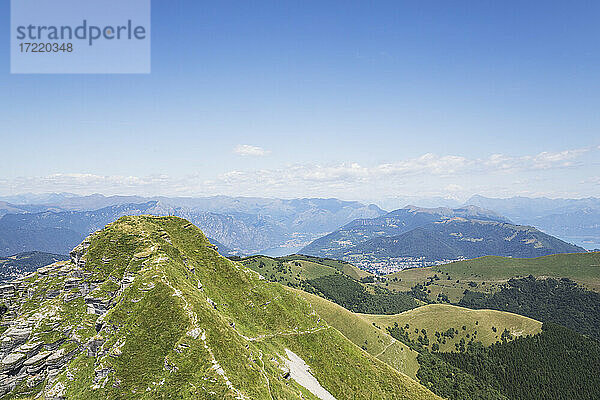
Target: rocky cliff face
{"points": [[146, 308], [36, 346]]}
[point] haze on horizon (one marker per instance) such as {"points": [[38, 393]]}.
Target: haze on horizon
{"points": [[304, 99]]}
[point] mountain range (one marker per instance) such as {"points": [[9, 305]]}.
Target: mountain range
{"points": [[146, 308], [241, 225], [573, 220], [415, 236], [55, 223]]}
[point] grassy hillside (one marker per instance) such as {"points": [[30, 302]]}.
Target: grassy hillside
{"points": [[489, 274], [333, 280], [374, 340], [447, 325], [341, 266], [292, 270], [583, 268], [146, 308]]}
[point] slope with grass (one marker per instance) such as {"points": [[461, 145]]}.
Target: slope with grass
{"points": [[341, 266], [292, 270], [146, 308], [444, 327], [489, 274], [333, 280], [583, 268], [373, 339]]}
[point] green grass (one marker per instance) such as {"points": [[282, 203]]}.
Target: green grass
{"points": [[341, 266], [488, 274], [374, 340], [479, 324], [583, 268], [243, 324], [293, 270]]}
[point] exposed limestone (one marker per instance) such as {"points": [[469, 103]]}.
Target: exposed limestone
{"points": [[56, 392], [32, 358], [7, 383], [97, 306], [93, 345], [12, 361], [36, 363], [30, 349], [7, 291], [18, 335], [78, 252]]}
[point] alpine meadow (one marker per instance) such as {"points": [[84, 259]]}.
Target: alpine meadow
{"points": [[314, 200]]}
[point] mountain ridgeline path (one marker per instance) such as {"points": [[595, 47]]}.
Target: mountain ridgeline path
{"points": [[147, 308]]}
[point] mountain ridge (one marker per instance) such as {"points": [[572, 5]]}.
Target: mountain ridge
{"points": [[150, 294], [414, 236], [248, 227]]}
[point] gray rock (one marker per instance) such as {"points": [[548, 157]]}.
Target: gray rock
{"points": [[93, 345], [35, 380], [7, 383], [30, 349], [53, 346], [7, 344], [78, 252], [19, 335], [71, 283], [56, 392], [7, 291], [57, 359], [36, 363], [12, 361], [101, 373], [96, 306]]}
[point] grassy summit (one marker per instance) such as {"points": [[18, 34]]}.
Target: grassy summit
{"points": [[447, 325], [147, 308]]}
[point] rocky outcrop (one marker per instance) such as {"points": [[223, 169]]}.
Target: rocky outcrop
{"points": [[31, 354]]}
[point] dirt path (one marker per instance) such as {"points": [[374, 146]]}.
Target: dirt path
{"points": [[386, 347], [196, 332], [283, 333]]}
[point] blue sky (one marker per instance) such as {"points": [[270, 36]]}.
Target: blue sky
{"points": [[358, 100]]}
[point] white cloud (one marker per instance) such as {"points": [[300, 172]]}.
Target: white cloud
{"points": [[248, 150], [429, 172], [425, 175], [453, 188], [594, 180]]}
